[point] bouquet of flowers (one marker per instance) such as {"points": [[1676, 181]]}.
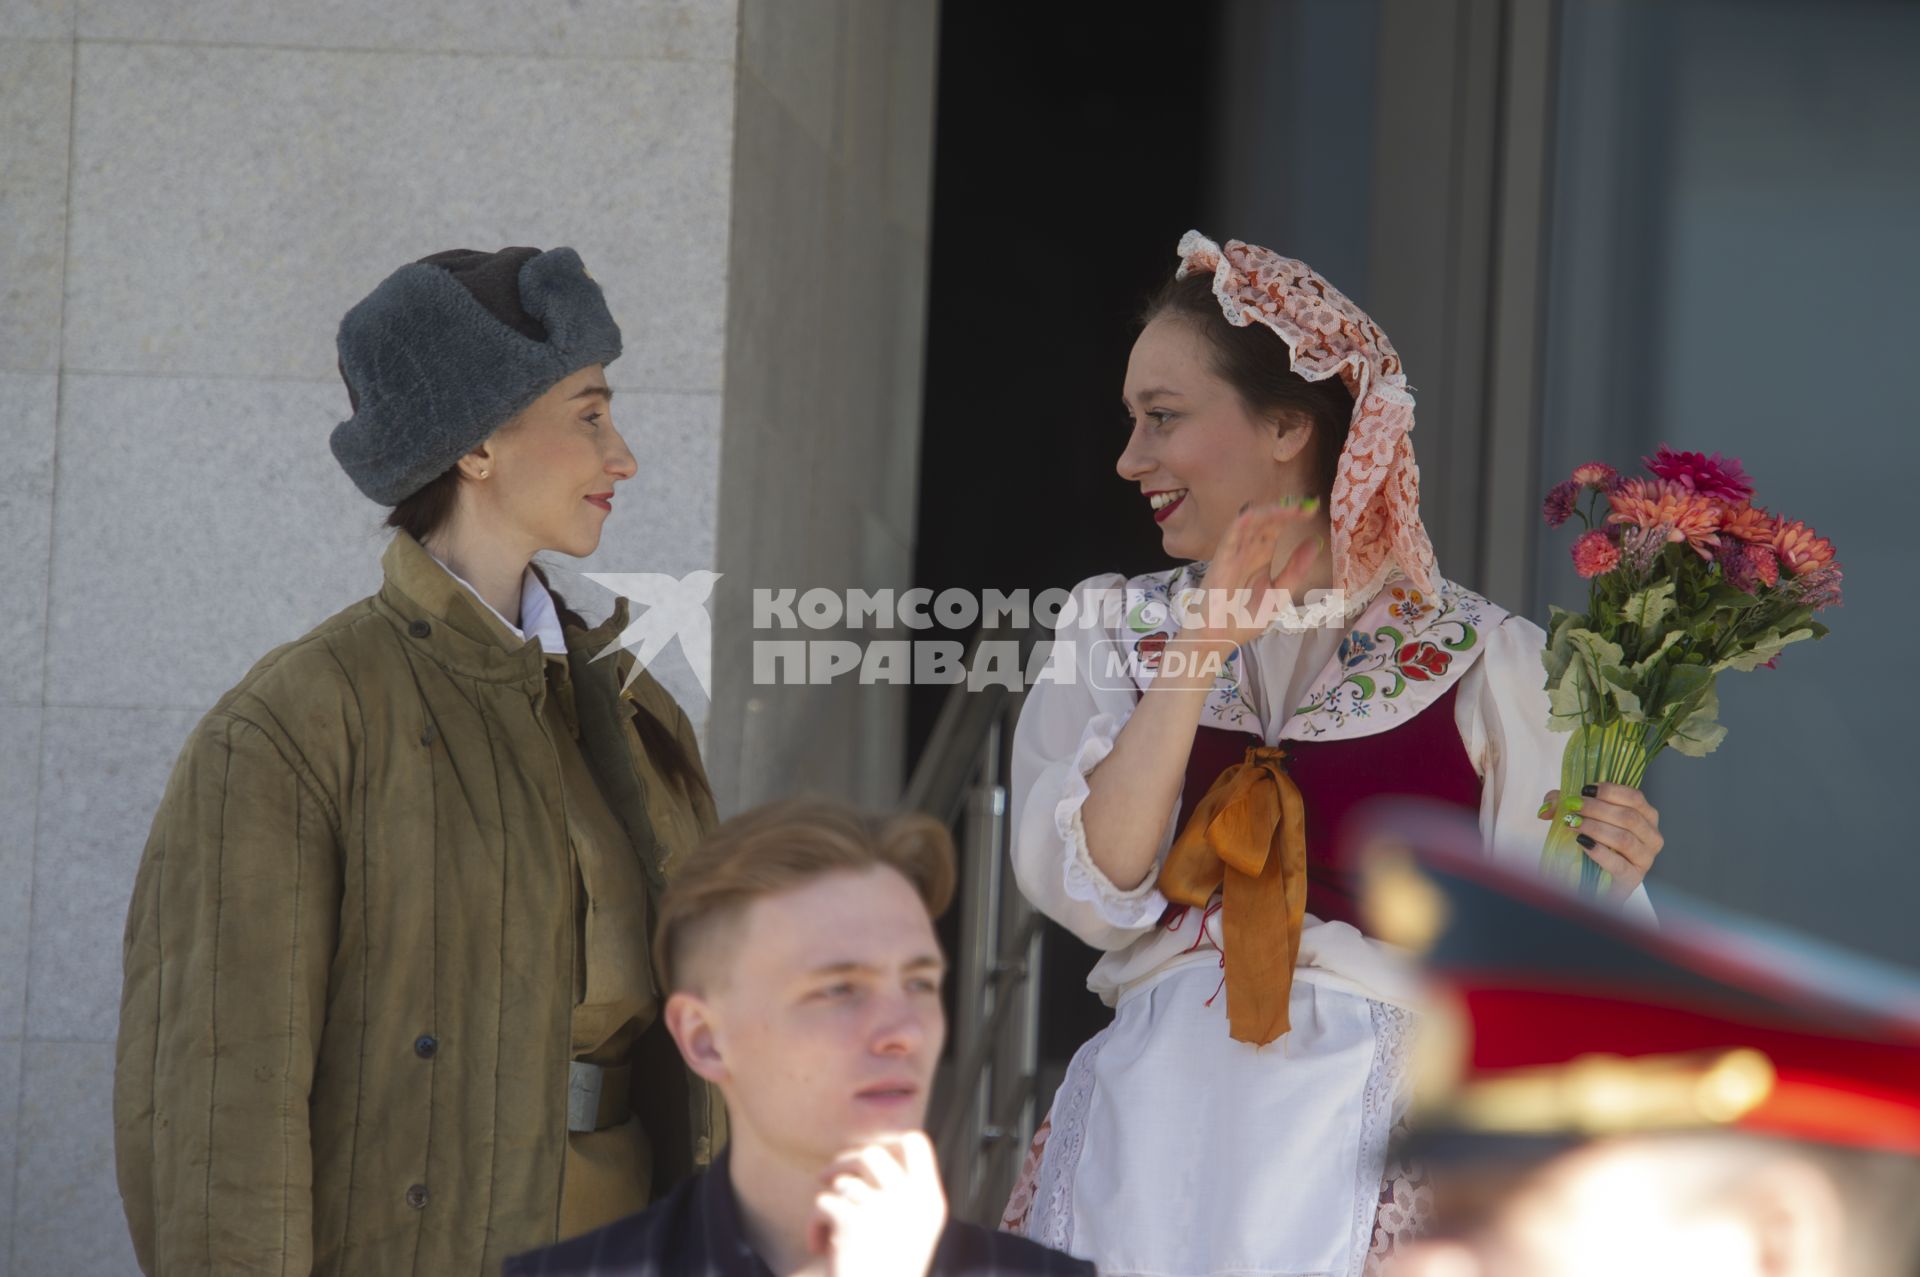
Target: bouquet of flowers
{"points": [[1686, 578]]}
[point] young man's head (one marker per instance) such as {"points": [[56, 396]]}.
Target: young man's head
{"points": [[803, 974]]}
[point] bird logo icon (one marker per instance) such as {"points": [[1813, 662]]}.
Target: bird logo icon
{"points": [[665, 608]]}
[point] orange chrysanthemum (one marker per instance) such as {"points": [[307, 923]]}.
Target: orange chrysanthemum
{"points": [[1683, 516], [1749, 523], [1800, 549]]}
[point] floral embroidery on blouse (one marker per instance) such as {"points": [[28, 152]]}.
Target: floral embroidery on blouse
{"points": [[1401, 653], [1409, 604], [1153, 603], [1426, 639]]}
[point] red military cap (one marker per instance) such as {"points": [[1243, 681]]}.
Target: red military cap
{"points": [[1556, 1017]]}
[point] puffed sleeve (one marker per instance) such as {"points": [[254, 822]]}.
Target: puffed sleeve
{"points": [[1068, 725], [1502, 712]]}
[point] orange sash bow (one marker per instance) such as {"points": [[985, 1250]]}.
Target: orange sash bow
{"points": [[1247, 838]]}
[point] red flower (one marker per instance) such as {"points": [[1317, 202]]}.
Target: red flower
{"points": [[1558, 507], [1148, 650], [1422, 661], [1596, 474], [1748, 567], [1721, 479], [1595, 554]]}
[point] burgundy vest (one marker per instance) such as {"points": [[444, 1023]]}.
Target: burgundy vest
{"points": [[1423, 757]]}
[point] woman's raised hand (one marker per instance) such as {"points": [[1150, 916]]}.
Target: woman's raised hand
{"points": [[1134, 790], [1243, 570]]}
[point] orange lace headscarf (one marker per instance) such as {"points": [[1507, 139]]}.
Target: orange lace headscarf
{"points": [[1375, 503]]}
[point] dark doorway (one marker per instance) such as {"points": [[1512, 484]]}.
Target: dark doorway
{"points": [[1070, 155]]}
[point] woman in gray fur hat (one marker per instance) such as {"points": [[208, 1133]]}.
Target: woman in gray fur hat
{"points": [[388, 1004]]}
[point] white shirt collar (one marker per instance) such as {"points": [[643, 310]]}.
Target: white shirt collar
{"points": [[537, 612]]}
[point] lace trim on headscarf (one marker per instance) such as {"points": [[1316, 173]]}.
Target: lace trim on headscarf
{"points": [[1375, 503]]}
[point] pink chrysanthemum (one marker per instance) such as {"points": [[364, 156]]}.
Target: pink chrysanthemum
{"points": [[1800, 549], [1750, 524], [1723, 479], [1595, 553], [1685, 515], [1595, 474], [1766, 565], [1558, 507]]}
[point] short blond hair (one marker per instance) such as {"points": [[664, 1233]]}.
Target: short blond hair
{"points": [[784, 845]]}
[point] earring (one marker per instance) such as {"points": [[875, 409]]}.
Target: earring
{"points": [[483, 474]]}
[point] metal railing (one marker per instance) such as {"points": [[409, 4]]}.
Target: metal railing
{"points": [[986, 1100]]}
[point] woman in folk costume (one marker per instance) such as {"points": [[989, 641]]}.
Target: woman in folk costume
{"points": [[1234, 1116], [388, 1006]]}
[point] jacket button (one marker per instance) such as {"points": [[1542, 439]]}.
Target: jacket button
{"points": [[419, 629], [424, 1046], [417, 1197]]}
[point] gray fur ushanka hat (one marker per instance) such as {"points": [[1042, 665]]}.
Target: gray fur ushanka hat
{"points": [[446, 350]]}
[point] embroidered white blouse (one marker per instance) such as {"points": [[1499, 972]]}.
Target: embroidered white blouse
{"points": [[1400, 654]]}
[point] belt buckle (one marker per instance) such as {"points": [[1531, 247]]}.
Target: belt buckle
{"points": [[584, 1083]]}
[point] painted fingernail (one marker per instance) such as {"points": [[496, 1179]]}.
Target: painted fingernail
{"points": [[1591, 791], [1546, 810], [1572, 819], [1310, 504], [1585, 840]]}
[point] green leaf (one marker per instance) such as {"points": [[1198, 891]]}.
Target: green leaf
{"points": [[1626, 692], [1564, 701], [1649, 607], [1682, 691], [1763, 650], [1700, 733], [1731, 597], [1558, 652], [1581, 656], [1653, 658], [1594, 651]]}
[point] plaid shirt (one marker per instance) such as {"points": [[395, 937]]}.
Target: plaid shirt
{"points": [[695, 1232]]}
